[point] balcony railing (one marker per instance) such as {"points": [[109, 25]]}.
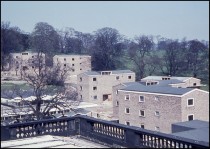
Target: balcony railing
{"points": [[110, 133]]}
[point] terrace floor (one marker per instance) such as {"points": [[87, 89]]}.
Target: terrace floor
{"points": [[48, 141]]}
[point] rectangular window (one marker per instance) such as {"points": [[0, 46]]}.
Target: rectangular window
{"points": [[190, 102], [64, 59], [117, 77], [32, 66], [72, 59], [157, 113], [117, 103], [127, 97], [94, 79], [32, 56], [194, 84], [127, 110], [129, 77], [80, 79], [64, 65], [127, 123], [94, 97], [142, 113], [16, 62], [72, 64], [81, 88], [141, 99], [80, 68], [94, 88], [190, 117], [116, 92], [16, 56], [157, 128], [142, 125], [80, 96]]}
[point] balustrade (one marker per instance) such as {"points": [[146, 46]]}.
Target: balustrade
{"points": [[111, 133]]}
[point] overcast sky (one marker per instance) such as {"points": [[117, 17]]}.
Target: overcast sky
{"points": [[174, 20]]}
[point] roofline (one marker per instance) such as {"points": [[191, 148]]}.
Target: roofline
{"points": [[151, 93], [191, 78], [195, 90]]}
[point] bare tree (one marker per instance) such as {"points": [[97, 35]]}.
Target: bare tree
{"points": [[43, 80], [139, 50]]}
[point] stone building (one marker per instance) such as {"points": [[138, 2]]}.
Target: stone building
{"points": [[97, 86], [75, 63], [25, 61], [157, 107], [173, 81]]}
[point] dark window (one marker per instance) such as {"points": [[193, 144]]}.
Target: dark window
{"points": [[32, 56], [127, 110], [72, 59], [142, 126], [80, 79], [64, 59], [190, 117], [94, 88], [80, 87], [194, 84], [16, 56], [141, 113], [127, 97], [128, 123], [94, 79], [117, 77], [80, 68], [64, 65], [94, 97], [117, 103], [129, 77], [190, 102], [72, 64]]}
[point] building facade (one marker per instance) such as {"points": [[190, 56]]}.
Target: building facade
{"points": [[97, 86], [25, 61], [75, 63], [156, 108]]}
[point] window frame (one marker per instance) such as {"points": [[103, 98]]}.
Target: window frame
{"points": [[142, 124], [127, 123], [140, 113], [129, 77], [143, 98], [95, 79], [117, 103], [157, 128], [128, 96], [94, 88], [157, 114], [192, 103], [190, 115], [126, 110]]}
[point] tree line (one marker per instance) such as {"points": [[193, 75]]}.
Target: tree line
{"points": [[111, 50]]}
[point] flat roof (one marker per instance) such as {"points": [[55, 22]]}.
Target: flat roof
{"points": [[193, 124], [160, 78], [48, 141], [71, 55], [200, 134], [112, 72], [157, 89]]}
